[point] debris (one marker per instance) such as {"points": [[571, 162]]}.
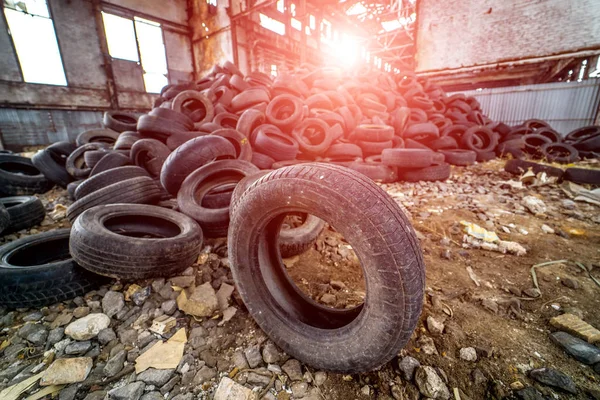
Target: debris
{"points": [[554, 378], [473, 276], [480, 233], [230, 390], [224, 295], [570, 283], [408, 365], [14, 392], [47, 391], [67, 370], [88, 327], [112, 303], [430, 384], [547, 229], [575, 326], [468, 354], [202, 302], [434, 326], [163, 355], [59, 212], [579, 349], [580, 193], [131, 290], [163, 324], [534, 205], [228, 313], [480, 238]]}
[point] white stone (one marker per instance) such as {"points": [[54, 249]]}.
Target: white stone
{"points": [[230, 390], [88, 327], [468, 354], [67, 370]]}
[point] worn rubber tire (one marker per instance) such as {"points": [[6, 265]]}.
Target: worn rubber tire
{"points": [[173, 115], [349, 341], [344, 150], [191, 98], [190, 156], [51, 162], [243, 149], [407, 158], [24, 212], [294, 241], [92, 157], [561, 153], [106, 136], [111, 161], [4, 218], [72, 187], [483, 156], [473, 136], [533, 144], [314, 136], [18, 176], [286, 121], [123, 249], [120, 121], [582, 175], [106, 178], [198, 184], [374, 133], [459, 157], [126, 140], [219, 197], [591, 143], [35, 271], [278, 146], [150, 154], [519, 167], [374, 148], [140, 190], [582, 134], [374, 171], [439, 172], [158, 128], [75, 163]]}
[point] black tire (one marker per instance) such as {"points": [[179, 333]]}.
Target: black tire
{"points": [[18, 176], [582, 134], [591, 143], [314, 136], [445, 142], [262, 161], [107, 178], [219, 197], [24, 212], [439, 172], [120, 121], [459, 157], [72, 187], [350, 341], [190, 103], [92, 157], [4, 218], [534, 143], [278, 146], [407, 158], [130, 242], [285, 111], [344, 151], [140, 190], [475, 135], [150, 154], [374, 133], [374, 148], [243, 149], [294, 241], [51, 162], [75, 163], [214, 222], [483, 156], [249, 120], [106, 136], [561, 153], [582, 175], [158, 128], [426, 130], [190, 156], [374, 171], [37, 271], [519, 167], [110, 161], [126, 140]]}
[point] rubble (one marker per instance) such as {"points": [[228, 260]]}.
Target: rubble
{"points": [[67, 370]]}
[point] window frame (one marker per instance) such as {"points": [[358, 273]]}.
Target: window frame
{"points": [[14, 47]]}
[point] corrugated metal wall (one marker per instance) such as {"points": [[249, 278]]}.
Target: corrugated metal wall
{"points": [[565, 105], [22, 127]]}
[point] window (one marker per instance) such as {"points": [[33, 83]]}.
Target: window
{"points": [[32, 30], [312, 22], [280, 6], [272, 24], [138, 40], [273, 70], [296, 24]]}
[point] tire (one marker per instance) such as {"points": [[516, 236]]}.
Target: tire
{"points": [[92, 157], [126, 140], [561, 153], [285, 112], [243, 149], [219, 197], [72, 187], [195, 105], [374, 133], [140, 190], [24, 212], [377, 172], [175, 116], [262, 161], [243, 185], [131, 241], [413, 144], [119, 121], [4, 218], [471, 138], [422, 131], [278, 146], [250, 120], [214, 222], [582, 134], [407, 158], [350, 341], [582, 175], [249, 98], [534, 143], [550, 134], [519, 167], [483, 156], [51, 162], [107, 178], [75, 163], [158, 128], [433, 173], [190, 156], [106, 136], [314, 136], [18, 176], [445, 142], [374, 148], [344, 151], [459, 157], [298, 240], [37, 271], [591, 143], [111, 161], [150, 154]]}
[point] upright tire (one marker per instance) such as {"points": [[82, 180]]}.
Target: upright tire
{"points": [[24, 212], [352, 340]]}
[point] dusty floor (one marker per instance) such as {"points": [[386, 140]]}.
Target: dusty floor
{"points": [[487, 309]]}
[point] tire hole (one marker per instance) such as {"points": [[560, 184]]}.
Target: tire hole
{"points": [[145, 227]]}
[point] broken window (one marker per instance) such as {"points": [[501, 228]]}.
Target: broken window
{"points": [[272, 24], [138, 40], [32, 30]]}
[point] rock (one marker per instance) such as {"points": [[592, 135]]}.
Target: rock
{"points": [[183, 281], [434, 326], [107, 335], [133, 391], [34, 316], [532, 292], [597, 368], [55, 336], [76, 348], [547, 229], [328, 299], [224, 296], [153, 396], [530, 393], [88, 327], [128, 337], [570, 283], [478, 377], [67, 370], [115, 364], [490, 305], [81, 312], [517, 385], [408, 365], [271, 354], [202, 302], [258, 379], [427, 345], [253, 356], [293, 369], [204, 375], [97, 395], [112, 303], [299, 389], [12, 370], [430, 384], [239, 360], [468, 354], [534, 205], [37, 335], [156, 377], [167, 387], [320, 378], [577, 348], [365, 390], [574, 325], [554, 378], [68, 393], [230, 390], [169, 307]]}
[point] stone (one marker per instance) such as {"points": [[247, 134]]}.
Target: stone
{"points": [[77, 348], [574, 325], [517, 385], [547, 229], [328, 299], [55, 336], [88, 327], [529, 393], [81, 312], [115, 364], [97, 395], [128, 337], [468, 354], [204, 375], [133, 391], [299, 389], [202, 301], [153, 396], [38, 335], [408, 365], [365, 390], [34, 316], [430, 384], [112, 303], [68, 393], [435, 326], [258, 379], [183, 281], [167, 387], [169, 307], [106, 336], [427, 345], [554, 378], [230, 390], [271, 354], [478, 377], [446, 254], [320, 378], [253, 356], [597, 368], [67, 370], [532, 292], [224, 296], [12, 370], [579, 349], [156, 377], [239, 360], [534, 205], [293, 369], [490, 305], [570, 283]]}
